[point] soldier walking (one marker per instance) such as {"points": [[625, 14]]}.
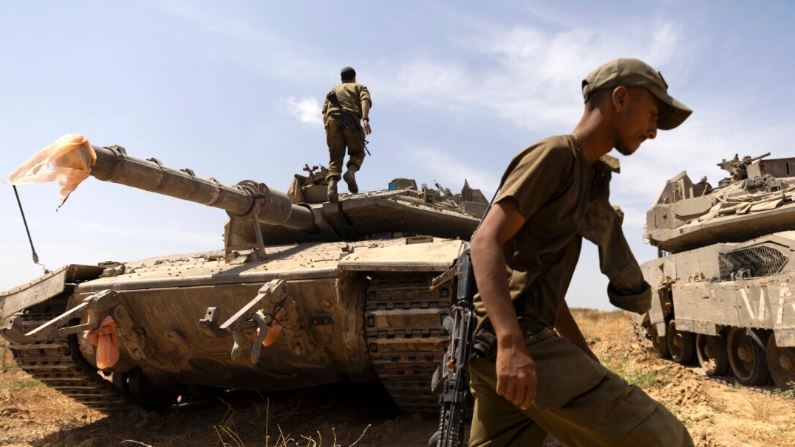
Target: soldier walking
{"points": [[347, 106], [541, 376]]}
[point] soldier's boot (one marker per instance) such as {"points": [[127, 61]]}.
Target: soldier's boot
{"points": [[350, 179], [332, 190]]}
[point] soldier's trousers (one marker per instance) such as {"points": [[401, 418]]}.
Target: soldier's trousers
{"points": [[337, 139], [578, 401]]}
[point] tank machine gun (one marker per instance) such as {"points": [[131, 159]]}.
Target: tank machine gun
{"points": [[304, 292], [738, 168]]}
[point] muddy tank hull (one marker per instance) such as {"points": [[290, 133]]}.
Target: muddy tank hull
{"points": [[357, 311], [729, 308]]}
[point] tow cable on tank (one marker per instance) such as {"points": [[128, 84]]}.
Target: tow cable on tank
{"points": [[27, 230]]}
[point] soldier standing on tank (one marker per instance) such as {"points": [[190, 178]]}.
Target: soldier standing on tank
{"points": [[541, 380], [347, 106]]}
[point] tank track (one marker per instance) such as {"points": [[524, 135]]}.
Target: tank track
{"points": [[58, 364], [405, 338], [726, 380]]}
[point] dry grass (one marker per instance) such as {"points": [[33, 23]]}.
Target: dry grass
{"points": [[599, 325], [763, 409], [6, 359], [13, 381], [628, 368], [324, 418], [3, 358], [229, 438], [287, 440]]}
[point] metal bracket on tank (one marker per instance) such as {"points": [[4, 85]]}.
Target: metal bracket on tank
{"points": [[257, 316], [243, 231], [240, 224], [95, 306]]}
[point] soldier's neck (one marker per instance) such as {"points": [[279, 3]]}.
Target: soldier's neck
{"points": [[593, 135]]}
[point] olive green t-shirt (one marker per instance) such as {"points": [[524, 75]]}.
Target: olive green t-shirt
{"points": [[550, 184], [350, 96], [562, 199]]}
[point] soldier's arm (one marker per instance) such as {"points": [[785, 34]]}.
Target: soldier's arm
{"points": [[365, 109], [366, 104], [516, 377], [366, 116], [627, 288]]}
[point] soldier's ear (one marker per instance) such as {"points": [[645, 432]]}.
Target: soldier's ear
{"points": [[620, 97]]}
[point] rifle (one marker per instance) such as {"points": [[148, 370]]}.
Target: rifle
{"points": [[453, 374]]}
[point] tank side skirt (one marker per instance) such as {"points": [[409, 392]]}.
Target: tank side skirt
{"points": [[764, 303]]}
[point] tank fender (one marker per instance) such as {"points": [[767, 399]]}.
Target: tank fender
{"points": [[419, 253], [47, 287]]}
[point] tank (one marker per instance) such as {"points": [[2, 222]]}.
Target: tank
{"points": [[304, 292], [723, 282]]}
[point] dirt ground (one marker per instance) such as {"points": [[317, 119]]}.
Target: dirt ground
{"points": [[717, 412]]}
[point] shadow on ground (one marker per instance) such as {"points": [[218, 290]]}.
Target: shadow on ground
{"points": [[339, 415]]}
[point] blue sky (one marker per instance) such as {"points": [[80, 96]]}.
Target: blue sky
{"points": [[232, 90]]}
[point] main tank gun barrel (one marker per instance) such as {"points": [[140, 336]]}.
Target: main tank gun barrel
{"points": [[114, 165]]}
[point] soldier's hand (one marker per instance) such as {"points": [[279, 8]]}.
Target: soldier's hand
{"points": [[367, 129], [516, 376]]}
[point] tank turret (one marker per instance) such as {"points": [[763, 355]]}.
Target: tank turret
{"points": [[756, 200], [304, 291]]}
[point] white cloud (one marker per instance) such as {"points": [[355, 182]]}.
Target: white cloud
{"points": [[519, 74], [523, 74], [306, 110]]}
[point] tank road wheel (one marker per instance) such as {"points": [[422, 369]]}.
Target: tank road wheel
{"points": [[781, 362], [712, 356], [747, 357], [680, 344], [660, 344]]}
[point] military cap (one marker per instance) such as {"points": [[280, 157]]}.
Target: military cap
{"points": [[347, 73], [631, 72]]}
